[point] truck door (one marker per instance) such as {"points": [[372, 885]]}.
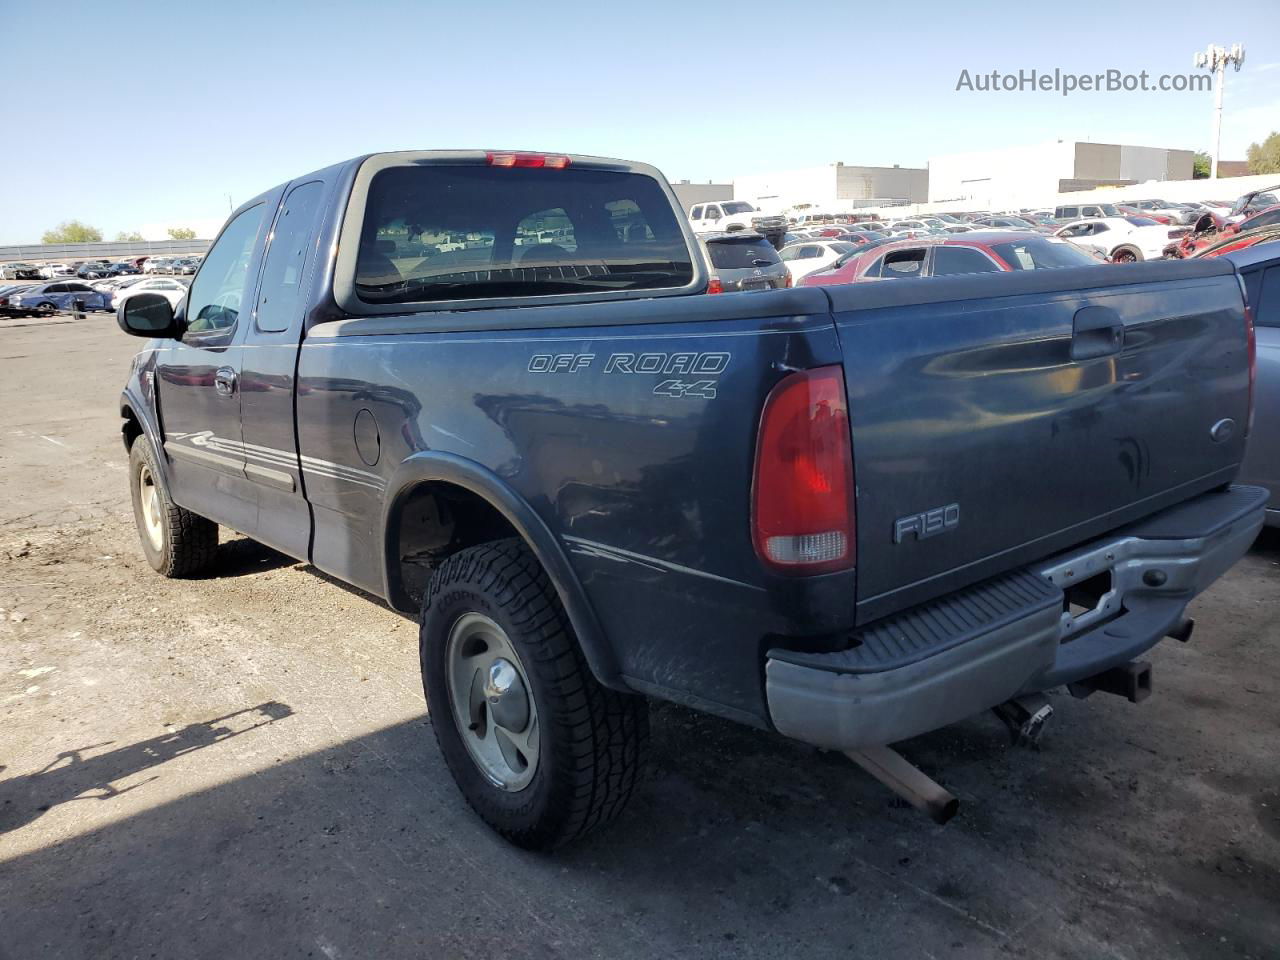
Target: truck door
{"points": [[267, 377], [197, 380]]}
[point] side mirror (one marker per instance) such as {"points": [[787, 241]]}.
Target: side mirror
{"points": [[147, 315]]}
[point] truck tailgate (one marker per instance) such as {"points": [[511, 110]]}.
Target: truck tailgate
{"points": [[998, 418]]}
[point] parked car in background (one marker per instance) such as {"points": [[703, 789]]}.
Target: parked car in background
{"points": [[171, 288], [18, 270], [6, 291], [1122, 239], [1254, 201], [95, 270], [727, 216], [861, 236], [1161, 208], [51, 270], [155, 265], [988, 251], [804, 258], [1005, 222], [1211, 231], [44, 299], [108, 284], [1240, 241], [742, 261], [1259, 268], [124, 268], [1068, 212]]}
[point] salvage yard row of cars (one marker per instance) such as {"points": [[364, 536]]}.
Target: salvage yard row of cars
{"points": [[91, 285], [815, 249], [67, 296]]}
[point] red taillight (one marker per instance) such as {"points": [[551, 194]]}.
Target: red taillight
{"points": [[715, 286], [548, 160], [802, 511]]}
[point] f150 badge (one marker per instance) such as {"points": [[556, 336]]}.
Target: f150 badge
{"points": [[694, 370], [930, 523]]}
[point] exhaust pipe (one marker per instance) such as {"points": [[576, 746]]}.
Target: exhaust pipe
{"points": [[907, 781], [1130, 680]]}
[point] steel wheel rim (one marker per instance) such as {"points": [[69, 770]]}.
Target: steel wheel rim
{"points": [[492, 705], [149, 502]]}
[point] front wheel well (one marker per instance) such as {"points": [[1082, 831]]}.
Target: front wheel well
{"points": [[430, 523], [131, 429]]}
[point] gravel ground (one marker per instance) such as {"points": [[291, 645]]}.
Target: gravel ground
{"points": [[241, 766]]}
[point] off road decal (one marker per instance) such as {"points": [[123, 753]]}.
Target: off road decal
{"points": [[697, 367]]}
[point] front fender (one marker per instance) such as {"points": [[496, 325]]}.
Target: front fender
{"points": [[476, 478], [136, 401]]}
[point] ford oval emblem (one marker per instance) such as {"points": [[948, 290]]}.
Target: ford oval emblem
{"points": [[1222, 431]]}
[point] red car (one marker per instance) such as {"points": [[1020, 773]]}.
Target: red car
{"points": [[980, 251], [1210, 230]]}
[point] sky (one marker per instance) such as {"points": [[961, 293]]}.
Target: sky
{"points": [[167, 110]]}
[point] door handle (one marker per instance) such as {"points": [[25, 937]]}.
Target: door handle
{"points": [[224, 381], [1096, 332]]}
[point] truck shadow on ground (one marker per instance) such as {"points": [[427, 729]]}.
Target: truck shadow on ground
{"points": [[738, 843], [92, 772]]}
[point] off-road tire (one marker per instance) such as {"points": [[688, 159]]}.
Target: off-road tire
{"points": [[592, 739], [189, 542]]}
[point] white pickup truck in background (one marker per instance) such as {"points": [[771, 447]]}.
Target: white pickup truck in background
{"points": [[728, 216]]}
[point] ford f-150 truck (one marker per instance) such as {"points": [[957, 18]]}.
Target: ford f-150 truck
{"points": [[850, 514]]}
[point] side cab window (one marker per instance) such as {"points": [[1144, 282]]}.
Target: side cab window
{"points": [[1266, 308], [696, 213], [280, 292], [713, 212], [220, 288]]}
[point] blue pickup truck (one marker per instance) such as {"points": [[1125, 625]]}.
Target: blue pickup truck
{"points": [[488, 387]]}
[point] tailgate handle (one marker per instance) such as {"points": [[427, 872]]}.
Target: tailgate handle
{"points": [[1096, 332]]}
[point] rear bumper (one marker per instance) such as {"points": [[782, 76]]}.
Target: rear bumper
{"points": [[966, 652]]}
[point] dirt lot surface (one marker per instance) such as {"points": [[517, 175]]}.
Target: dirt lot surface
{"points": [[241, 766]]}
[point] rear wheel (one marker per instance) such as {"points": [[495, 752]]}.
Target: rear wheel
{"points": [[176, 542], [45, 309], [540, 750], [1125, 255]]}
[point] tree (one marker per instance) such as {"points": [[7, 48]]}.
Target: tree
{"points": [[72, 231], [131, 237], [1201, 165], [181, 233], [1265, 157]]}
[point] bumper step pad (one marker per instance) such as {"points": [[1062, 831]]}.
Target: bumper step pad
{"points": [[936, 626]]}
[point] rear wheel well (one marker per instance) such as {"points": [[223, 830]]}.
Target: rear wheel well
{"points": [[433, 521]]}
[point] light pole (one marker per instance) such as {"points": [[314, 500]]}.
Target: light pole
{"points": [[1216, 58]]}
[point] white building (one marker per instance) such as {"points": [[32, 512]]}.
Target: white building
{"points": [[833, 186], [1030, 175], [689, 194]]}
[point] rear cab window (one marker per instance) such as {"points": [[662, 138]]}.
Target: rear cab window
{"points": [[438, 233]]}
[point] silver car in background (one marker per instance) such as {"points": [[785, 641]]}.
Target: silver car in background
{"points": [[742, 260]]}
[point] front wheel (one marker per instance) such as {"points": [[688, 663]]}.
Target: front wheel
{"points": [[44, 309], [176, 542], [539, 748]]}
